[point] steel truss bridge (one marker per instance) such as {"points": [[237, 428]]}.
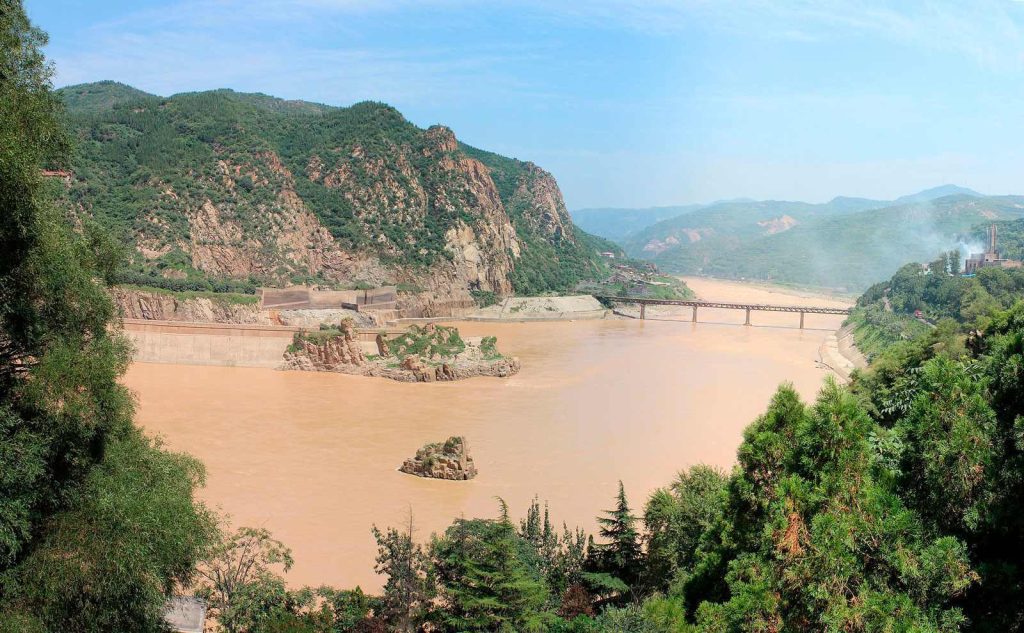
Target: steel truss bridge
{"points": [[726, 305]]}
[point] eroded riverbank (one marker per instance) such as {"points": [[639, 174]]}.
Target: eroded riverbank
{"points": [[314, 456]]}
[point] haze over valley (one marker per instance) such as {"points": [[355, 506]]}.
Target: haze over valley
{"points": [[846, 243]]}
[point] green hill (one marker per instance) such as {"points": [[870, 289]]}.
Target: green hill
{"points": [[248, 187], [846, 243], [618, 224]]}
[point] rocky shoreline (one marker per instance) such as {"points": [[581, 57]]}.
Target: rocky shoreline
{"points": [[458, 359], [839, 353]]}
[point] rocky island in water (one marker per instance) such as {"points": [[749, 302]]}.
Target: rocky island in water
{"points": [[448, 460], [431, 353]]}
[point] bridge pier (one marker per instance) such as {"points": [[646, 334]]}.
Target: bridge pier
{"points": [[748, 317], [643, 311], [694, 314], [801, 319]]}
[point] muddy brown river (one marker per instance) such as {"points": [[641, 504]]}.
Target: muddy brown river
{"points": [[313, 457]]}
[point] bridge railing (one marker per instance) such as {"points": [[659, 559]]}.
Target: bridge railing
{"points": [[748, 307]]}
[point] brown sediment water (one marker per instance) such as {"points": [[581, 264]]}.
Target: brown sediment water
{"points": [[314, 457]]}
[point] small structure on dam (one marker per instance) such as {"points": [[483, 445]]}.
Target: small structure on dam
{"points": [[304, 297], [990, 258]]}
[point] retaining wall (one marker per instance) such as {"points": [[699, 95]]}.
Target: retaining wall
{"points": [[209, 343]]}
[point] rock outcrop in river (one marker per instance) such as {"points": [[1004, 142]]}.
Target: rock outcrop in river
{"points": [[448, 460], [432, 353]]}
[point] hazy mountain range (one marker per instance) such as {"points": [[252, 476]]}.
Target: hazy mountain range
{"points": [[846, 242]]}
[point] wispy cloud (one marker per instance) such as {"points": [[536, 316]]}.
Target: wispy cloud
{"points": [[989, 31]]}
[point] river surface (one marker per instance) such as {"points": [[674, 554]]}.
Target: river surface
{"points": [[313, 457]]}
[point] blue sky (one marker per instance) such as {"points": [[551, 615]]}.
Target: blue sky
{"points": [[627, 102]]}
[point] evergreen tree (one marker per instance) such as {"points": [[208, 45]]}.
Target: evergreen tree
{"points": [[619, 556], [490, 579]]}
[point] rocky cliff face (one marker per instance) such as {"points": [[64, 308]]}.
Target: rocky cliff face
{"points": [[135, 304], [336, 352], [538, 196], [227, 185]]}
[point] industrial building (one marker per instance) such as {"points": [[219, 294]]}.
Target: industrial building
{"points": [[989, 258]]}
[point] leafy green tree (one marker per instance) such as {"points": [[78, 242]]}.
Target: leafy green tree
{"points": [[949, 446], [562, 557], [820, 542], [410, 583], [240, 582], [97, 523], [490, 579], [676, 519]]}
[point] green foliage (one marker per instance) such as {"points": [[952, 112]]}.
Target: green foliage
{"points": [[619, 558], [676, 519], [484, 298], [489, 347], [410, 582], [489, 577], [144, 164], [885, 313], [239, 582], [195, 284], [816, 540], [109, 562], [427, 341], [97, 524], [185, 295], [562, 557]]}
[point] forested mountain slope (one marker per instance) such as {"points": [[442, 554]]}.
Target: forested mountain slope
{"points": [[618, 224], [846, 243], [249, 187]]}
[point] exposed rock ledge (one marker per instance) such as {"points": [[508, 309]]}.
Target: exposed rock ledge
{"points": [[449, 460], [446, 356]]}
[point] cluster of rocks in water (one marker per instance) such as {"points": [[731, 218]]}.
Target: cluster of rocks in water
{"points": [[447, 460], [428, 354]]}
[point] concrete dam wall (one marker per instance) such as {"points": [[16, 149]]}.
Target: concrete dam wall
{"points": [[209, 343]]}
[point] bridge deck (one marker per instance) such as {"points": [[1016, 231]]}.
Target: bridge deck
{"points": [[763, 307]]}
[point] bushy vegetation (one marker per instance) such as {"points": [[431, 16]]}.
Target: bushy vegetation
{"points": [[98, 524], [427, 341], [201, 284], [919, 297], [889, 505]]}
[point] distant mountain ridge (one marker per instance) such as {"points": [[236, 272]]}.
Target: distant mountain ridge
{"points": [[221, 184], [846, 242]]}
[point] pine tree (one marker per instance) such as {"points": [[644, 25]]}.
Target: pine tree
{"points": [[620, 555], [490, 578]]}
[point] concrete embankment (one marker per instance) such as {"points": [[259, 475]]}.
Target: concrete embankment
{"points": [[838, 353], [242, 345]]}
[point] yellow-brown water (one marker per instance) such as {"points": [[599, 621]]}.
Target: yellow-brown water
{"points": [[313, 457]]}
